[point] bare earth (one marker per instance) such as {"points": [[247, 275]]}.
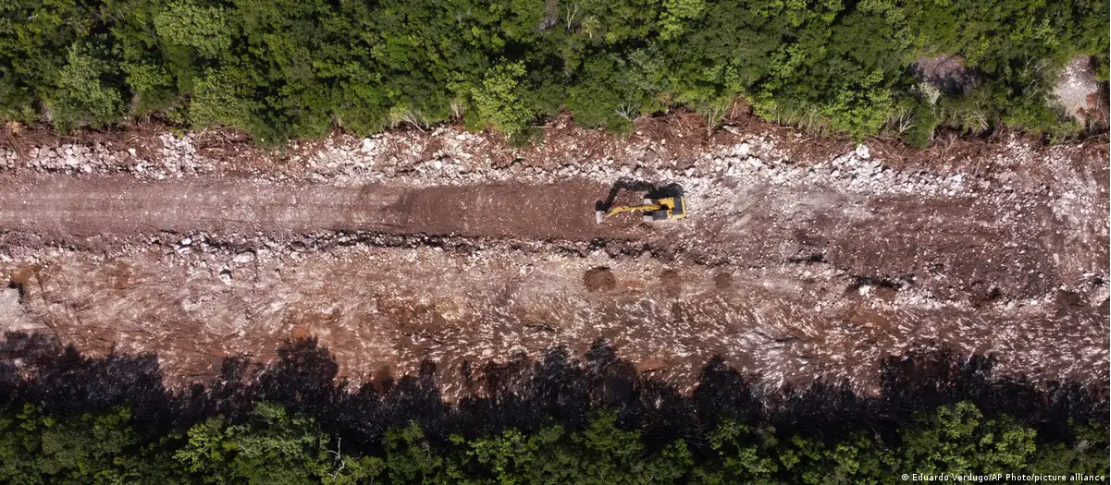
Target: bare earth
{"points": [[794, 264]]}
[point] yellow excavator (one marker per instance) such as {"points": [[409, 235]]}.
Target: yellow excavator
{"points": [[663, 208]]}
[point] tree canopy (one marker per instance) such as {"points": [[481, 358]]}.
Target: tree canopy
{"points": [[273, 447], [299, 68], [65, 418]]}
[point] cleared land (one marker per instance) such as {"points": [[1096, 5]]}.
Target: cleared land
{"points": [[793, 265]]}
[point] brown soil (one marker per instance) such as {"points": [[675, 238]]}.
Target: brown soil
{"points": [[77, 211], [723, 281], [376, 307], [599, 279], [788, 281], [942, 244], [672, 284]]}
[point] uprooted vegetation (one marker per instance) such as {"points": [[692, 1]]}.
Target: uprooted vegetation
{"points": [[559, 419], [282, 69]]}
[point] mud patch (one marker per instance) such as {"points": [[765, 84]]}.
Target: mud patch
{"points": [[983, 297], [21, 276], [671, 282], [599, 278], [1068, 302], [723, 281], [121, 276], [559, 211]]}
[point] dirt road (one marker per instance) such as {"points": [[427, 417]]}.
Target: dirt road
{"points": [[813, 273], [64, 209], [957, 247]]}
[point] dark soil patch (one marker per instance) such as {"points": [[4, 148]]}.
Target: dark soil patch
{"points": [[723, 281], [885, 293], [599, 279], [22, 275], [554, 211], [947, 73], [982, 296], [672, 283], [1068, 301]]}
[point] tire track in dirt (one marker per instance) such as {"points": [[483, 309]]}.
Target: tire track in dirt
{"points": [[957, 247], [65, 209]]}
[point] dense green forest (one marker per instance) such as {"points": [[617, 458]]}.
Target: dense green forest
{"points": [[65, 418], [300, 68]]}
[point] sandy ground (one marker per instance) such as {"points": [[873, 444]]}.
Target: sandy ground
{"points": [[796, 261], [1079, 93]]}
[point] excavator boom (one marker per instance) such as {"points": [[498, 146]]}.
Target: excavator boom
{"points": [[671, 206], [647, 208], [633, 208]]}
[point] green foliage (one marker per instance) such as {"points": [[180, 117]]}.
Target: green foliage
{"points": [[676, 13], [499, 99], [605, 95], [298, 68], [216, 103], [274, 447], [959, 440], [202, 28], [742, 456], [37, 448], [1020, 47], [83, 96], [410, 457], [921, 121], [1086, 454]]}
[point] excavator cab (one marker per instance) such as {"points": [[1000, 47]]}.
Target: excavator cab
{"points": [[670, 208], [669, 204]]}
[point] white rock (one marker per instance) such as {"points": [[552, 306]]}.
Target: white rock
{"points": [[185, 242], [131, 151], [244, 257], [368, 145], [863, 152]]}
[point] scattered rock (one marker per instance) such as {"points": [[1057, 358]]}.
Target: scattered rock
{"points": [[863, 152]]}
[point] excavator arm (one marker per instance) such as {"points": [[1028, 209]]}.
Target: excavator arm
{"points": [[603, 215], [661, 204]]}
